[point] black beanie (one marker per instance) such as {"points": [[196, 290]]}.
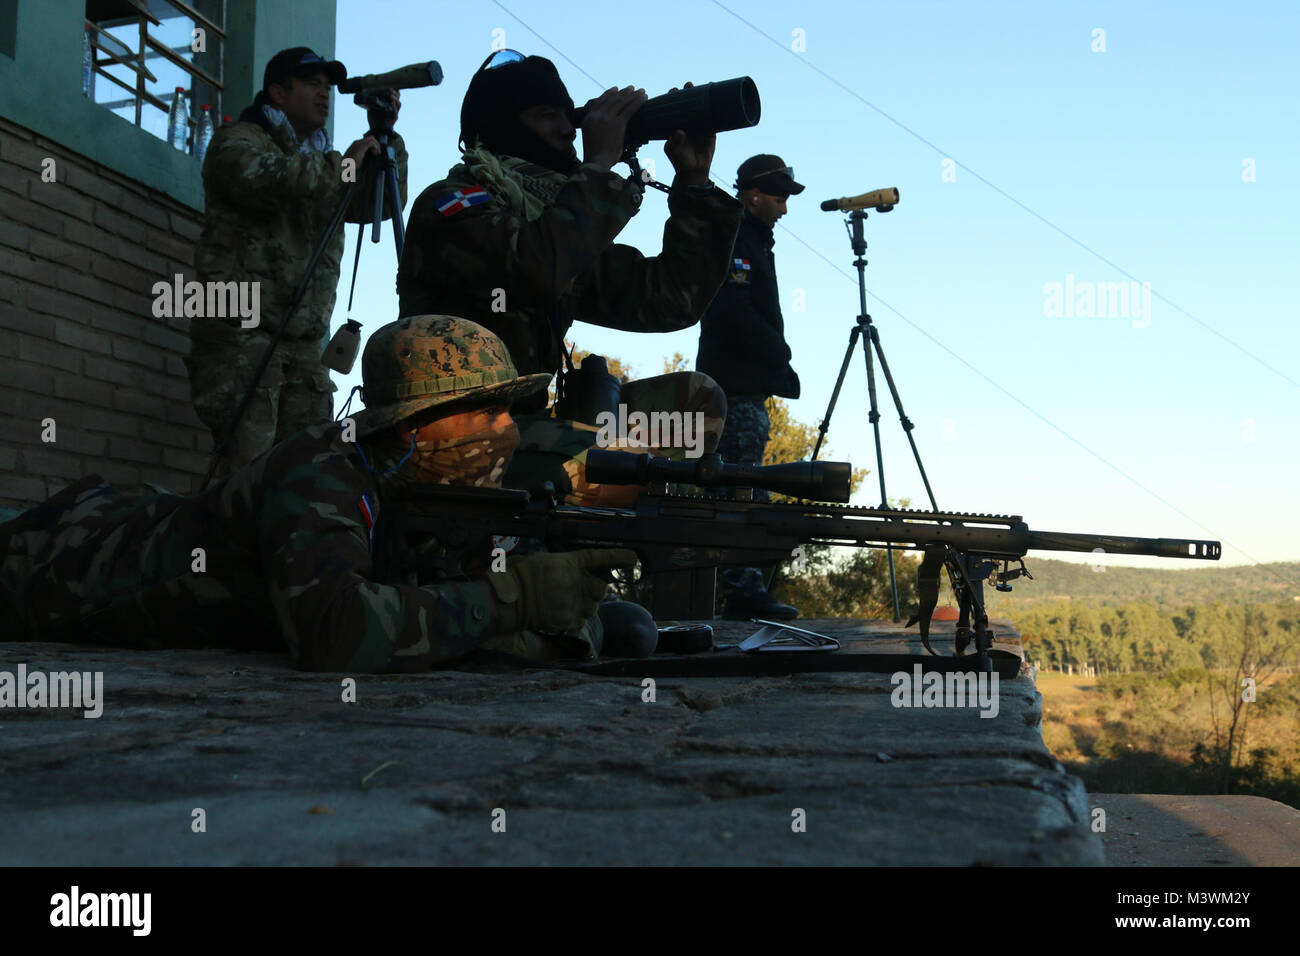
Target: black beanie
{"points": [[496, 97]]}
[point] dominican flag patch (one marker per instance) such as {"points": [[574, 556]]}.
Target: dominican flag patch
{"points": [[367, 506], [740, 269], [453, 203]]}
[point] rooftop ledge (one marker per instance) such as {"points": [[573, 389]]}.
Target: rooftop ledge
{"points": [[579, 768]]}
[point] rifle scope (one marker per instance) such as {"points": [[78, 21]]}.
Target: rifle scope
{"points": [[814, 480]]}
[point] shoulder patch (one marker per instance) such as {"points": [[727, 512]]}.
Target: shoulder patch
{"points": [[454, 202], [740, 269], [367, 506]]}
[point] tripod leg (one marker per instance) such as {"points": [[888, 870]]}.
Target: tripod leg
{"points": [[835, 395], [874, 417], [395, 203], [874, 333], [377, 219]]}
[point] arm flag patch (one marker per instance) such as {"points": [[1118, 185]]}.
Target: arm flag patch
{"points": [[453, 203], [367, 506]]}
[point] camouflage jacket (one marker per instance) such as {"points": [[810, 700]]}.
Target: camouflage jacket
{"points": [[280, 553], [267, 207], [468, 253]]}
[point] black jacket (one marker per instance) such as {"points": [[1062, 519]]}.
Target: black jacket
{"points": [[742, 334]]}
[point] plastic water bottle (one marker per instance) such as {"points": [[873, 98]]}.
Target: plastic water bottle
{"points": [[178, 120], [203, 135], [87, 64], [341, 353]]}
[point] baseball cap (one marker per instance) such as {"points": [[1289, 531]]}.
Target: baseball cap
{"points": [[301, 61], [768, 174]]}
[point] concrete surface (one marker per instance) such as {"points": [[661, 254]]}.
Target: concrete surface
{"points": [[712, 772], [1157, 829]]}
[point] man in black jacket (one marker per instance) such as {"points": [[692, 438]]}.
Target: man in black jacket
{"points": [[742, 346]]}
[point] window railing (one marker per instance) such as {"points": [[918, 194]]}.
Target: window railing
{"points": [[137, 52]]}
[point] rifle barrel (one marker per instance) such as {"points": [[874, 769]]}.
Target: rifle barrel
{"points": [[1115, 544]]}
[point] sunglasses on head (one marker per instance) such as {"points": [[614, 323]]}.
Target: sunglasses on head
{"points": [[501, 58]]}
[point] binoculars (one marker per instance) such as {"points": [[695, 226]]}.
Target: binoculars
{"points": [[711, 108]]}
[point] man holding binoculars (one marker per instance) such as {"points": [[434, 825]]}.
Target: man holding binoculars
{"points": [[271, 182], [520, 238]]}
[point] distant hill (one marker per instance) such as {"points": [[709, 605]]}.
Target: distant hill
{"points": [[1066, 580]]}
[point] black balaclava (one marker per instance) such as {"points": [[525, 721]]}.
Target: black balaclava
{"points": [[496, 97]]}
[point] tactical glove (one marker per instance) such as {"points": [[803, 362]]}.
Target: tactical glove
{"points": [[556, 592]]}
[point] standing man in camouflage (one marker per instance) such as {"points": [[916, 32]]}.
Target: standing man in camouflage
{"points": [[742, 346], [282, 553], [520, 237], [272, 182]]}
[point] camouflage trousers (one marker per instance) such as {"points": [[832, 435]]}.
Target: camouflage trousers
{"points": [[295, 390], [743, 442], [555, 450], [91, 565]]}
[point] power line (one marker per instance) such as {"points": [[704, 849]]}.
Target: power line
{"points": [[918, 328], [1006, 195]]}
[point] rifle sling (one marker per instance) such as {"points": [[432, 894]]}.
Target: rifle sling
{"points": [[927, 590]]}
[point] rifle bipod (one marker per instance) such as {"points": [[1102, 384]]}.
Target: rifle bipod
{"points": [[966, 576]]}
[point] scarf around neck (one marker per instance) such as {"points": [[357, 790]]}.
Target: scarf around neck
{"points": [[317, 142], [523, 186]]}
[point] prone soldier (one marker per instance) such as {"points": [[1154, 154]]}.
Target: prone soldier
{"points": [[281, 553]]}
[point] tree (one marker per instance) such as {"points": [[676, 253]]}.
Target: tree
{"points": [[678, 363], [854, 583], [617, 367], [1249, 653]]}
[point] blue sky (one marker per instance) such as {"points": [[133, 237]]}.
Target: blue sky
{"points": [[1177, 422]]}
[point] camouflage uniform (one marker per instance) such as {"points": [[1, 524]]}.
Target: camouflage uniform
{"points": [[742, 345], [747, 432], [745, 441], [526, 252], [267, 207], [287, 543], [287, 560]]}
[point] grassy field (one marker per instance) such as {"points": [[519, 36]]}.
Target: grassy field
{"points": [[1138, 733], [1070, 721]]}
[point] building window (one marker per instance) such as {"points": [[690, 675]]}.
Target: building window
{"points": [[137, 52]]}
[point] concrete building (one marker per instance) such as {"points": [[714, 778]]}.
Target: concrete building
{"points": [[95, 208]]}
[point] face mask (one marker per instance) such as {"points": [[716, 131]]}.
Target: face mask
{"points": [[475, 461], [517, 140]]}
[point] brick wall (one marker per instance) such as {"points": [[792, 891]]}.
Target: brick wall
{"points": [[80, 344]]}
